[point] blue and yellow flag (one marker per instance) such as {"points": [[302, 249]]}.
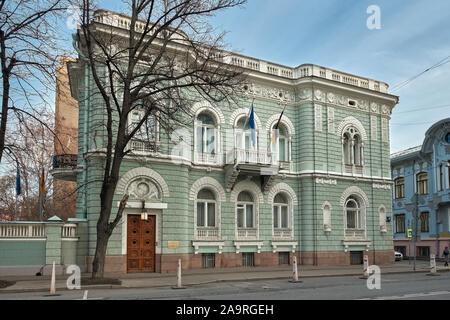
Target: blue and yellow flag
{"points": [[251, 123]]}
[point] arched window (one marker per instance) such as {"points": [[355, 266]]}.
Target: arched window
{"points": [[206, 209], [422, 183], [400, 188], [206, 134], [243, 135], [352, 147], [281, 212], [281, 143], [354, 214], [245, 211]]}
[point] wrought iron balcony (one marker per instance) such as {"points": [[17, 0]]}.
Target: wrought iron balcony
{"points": [[65, 167]]}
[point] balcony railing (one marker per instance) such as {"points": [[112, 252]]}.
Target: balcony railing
{"points": [[247, 234], [208, 234], [282, 234], [64, 161], [207, 158], [21, 230], [69, 231], [355, 234], [238, 156]]}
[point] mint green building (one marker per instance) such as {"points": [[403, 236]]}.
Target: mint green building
{"points": [[321, 192]]}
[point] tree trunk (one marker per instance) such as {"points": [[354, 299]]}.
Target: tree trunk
{"points": [[98, 265]]}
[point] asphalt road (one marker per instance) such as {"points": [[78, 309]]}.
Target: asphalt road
{"points": [[407, 286]]}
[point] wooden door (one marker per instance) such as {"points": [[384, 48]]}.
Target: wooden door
{"points": [[141, 244]]}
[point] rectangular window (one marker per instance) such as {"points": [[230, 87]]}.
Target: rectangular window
{"points": [[284, 217], [422, 183], [441, 177], [211, 214], [425, 222], [208, 260], [200, 214], [240, 216], [400, 188], [283, 258], [282, 150], [249, 216], [400, 223], [423, 252], [210, 140], [276, 214], [248, 259], [351, 219]]}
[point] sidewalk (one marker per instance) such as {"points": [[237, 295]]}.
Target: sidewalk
{"points": [[205, 276]]}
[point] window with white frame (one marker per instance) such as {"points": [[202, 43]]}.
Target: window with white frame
{"points": [[281, 144], [281, 212], [206, 134], [354, 214], [422, 183], [206, 209], [352, 147], [243, 135], [148, 131], [245, 211]]}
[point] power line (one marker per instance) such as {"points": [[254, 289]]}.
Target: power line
{"points": [[424, 108], [403, 84]]}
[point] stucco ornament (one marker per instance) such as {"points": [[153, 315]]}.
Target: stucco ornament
{"points": [[143, 189]]}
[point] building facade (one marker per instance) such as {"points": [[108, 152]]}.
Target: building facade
{"points": [[322, 192], [425, 171]]}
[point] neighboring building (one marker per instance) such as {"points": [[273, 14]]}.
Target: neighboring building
{"points": [[327, 200], [424, 170], [65, 145]]}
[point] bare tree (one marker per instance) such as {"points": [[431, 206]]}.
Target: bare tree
{"points": [[31, 149], [29, 55], [167, 57]]}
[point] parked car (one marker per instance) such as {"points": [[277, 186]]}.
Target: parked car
{"points": [[398, 256]]}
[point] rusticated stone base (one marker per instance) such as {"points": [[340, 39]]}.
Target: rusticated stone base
{"points": [[169, 262]]}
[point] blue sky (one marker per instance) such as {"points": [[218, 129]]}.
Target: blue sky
{"points": [[414, 35]]}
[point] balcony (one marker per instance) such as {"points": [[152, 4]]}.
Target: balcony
{"points": [[65, 167], [251, 163], [207, 158], [243, 156]]}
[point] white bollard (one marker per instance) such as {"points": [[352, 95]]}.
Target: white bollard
{"points": [[53, 281], [179, 286], [433, 268], [294, 271], [85, 296]]}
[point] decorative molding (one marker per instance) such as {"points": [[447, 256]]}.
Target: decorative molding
{"points": [[318, 117], [283, 244], [207, 106], [237, 114], [210, 183], [374, 127], [249, 186], [142, 172], [271, 93], [352, 121], [284, 120], [198, 244], [239, 244], [382, 186], [354, 191], [330, 117], [282, 187], [332, 182]]}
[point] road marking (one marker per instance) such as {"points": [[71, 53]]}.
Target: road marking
{"points": [[411, 295]]}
